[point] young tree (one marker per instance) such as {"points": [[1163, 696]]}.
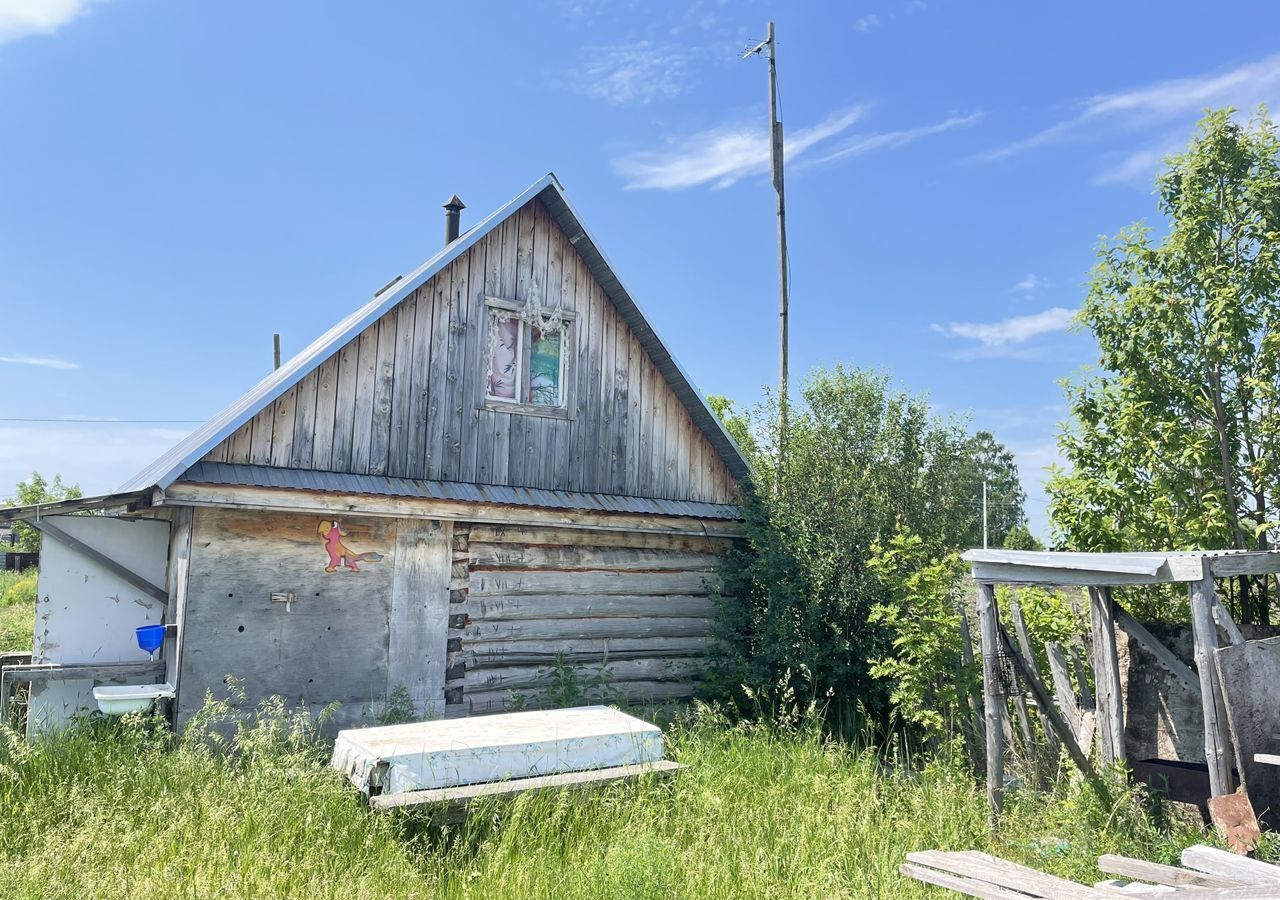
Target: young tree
{"points": [[1174, 440], [37, 489]]}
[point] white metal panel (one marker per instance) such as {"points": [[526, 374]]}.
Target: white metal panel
{"points": [[86, 613], [425, 755]]}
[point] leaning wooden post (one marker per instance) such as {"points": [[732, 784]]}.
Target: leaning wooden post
{"points": [[974, 737], [1216, 738], [1106, 672], [992, 695], [1028, 654]]}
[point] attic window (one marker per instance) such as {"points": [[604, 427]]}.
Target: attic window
{"points": [[528, 359]]}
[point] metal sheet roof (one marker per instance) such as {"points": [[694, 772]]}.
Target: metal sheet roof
{"points": [[170, 467], [347, 483]]}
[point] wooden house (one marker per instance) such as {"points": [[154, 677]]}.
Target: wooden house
{"points": [[493, 464]]}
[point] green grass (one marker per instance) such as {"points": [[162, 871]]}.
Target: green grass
{"points": [[17, 609], [111, 809]]}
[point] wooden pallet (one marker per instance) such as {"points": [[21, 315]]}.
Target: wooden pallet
{"points": [[1206, 872]]}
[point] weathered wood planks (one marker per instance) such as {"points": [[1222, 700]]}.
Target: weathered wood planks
{"points": [[406, 398]]}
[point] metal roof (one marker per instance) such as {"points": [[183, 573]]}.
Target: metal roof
{"points": [[346, 483], [170, 467], [1104, 569]]}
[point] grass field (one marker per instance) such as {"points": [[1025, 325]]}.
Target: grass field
{"points": [[17, 609], [113, 810]]}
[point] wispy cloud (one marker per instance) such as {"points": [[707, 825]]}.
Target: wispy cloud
{"points": [[866, 23], [97, 457], [1245, 87], [1027, 285], [632, 73], [20, 18], [856, 145], [47, 362], [722, 156], [1005, 337]]}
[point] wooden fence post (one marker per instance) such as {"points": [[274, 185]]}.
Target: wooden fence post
{"points": [[1106, 672], [1216, 737], [992, 696], [974, 737]]}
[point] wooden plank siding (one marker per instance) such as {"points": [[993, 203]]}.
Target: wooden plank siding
{"points": [[406, 397], [630, 612]]}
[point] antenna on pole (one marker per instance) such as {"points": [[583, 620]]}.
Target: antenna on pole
{"points": [[275, 339], [984, 514], [770, 45]]}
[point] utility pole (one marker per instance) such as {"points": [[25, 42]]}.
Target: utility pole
{"points": [[275, 339], [984, 514], [770, 45]]}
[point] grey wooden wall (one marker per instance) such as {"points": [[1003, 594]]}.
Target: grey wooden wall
{"points": [[637, 604], [405, 398]]}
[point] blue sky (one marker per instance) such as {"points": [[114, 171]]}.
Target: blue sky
{"points": [[179, 180]]}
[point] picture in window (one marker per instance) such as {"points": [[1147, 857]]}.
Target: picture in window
{"points": [[544, 368], [504, 358]]}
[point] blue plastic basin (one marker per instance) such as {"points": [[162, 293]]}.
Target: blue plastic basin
{"points": [[150, 637]]}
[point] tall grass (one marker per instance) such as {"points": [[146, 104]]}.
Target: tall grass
{"points": [[116, 809], [17, 609]]}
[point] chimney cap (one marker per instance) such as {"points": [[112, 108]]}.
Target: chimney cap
{"points": [[454, 203]]}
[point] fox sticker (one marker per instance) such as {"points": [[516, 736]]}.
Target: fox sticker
{"points": [[340, 555]]}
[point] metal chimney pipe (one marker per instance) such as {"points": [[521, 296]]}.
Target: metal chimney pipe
{"points": [[453, 208]]}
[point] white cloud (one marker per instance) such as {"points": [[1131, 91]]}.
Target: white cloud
{"points": [[632, 73], [1244, 87], [866, 23], [1012, 331], [1030, 283], [19, 18], [99, 458], [47, 362], [722, 156], [860, 144]]}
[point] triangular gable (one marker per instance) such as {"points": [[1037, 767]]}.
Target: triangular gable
{"points": [[171, 466]]}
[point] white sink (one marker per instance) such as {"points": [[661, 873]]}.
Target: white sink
{"points": [[118, 699]]}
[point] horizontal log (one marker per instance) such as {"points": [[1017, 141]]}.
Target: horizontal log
{"points": [[506, 699], [527, 677], [561, 537], [287, 500], [514, 607], [87, 671], [580, 629], [618, 559], [652, 583], [539, 652]]}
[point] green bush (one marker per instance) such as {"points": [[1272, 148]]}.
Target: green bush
{"points": [[18, 588]]}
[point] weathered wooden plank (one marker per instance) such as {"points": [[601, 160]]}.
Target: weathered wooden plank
{"points": [[620, 424], [562, 606], [383, 388], [418, 621], [176, 585], [525, 677], [491, 583], [1001, 873], [634, 400], [1258, 562], [284, 500], [363, 405], [402, 385], [960, 884], [325, 413], [992, 696], [1028, 655], [458, 311], [490, 630], [239, 445], [1064, 693], [471, 390], [282, 428], [1228, 625], [304, 421], [479, 655], [260, 446], [1226, 864], [539, 556], [1158, 873], [345, 406], [1106, 674], [1217, 741], [533, 698], [419, 377], [1158, 651]]}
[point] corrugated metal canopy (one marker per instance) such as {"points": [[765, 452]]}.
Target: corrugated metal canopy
{"points": [[1108, 569], [170, 467], [381, 485]]}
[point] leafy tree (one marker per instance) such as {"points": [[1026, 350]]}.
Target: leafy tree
{"points": [[1019, 537], [864, 462], [1174, 439], [37, 489], [993, 462]]}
